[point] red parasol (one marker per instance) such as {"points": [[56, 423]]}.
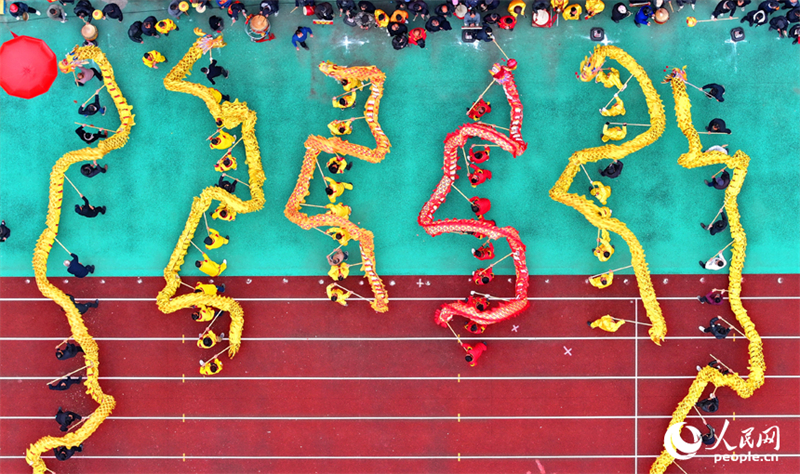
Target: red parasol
{"points": [[28, 67]]}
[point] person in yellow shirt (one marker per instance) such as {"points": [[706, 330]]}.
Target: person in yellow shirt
{"points": [[617, 109], [338, 165], [222, 212], [209, 288], [339, 210], [339, 272], [165, 26], [614, 133], [558, 5], [609, 80], [604, 249], [336, 189], [341, 127], [214, 240], [337, 294], [209, 339], [211, 368], [226, 163], [152, 58], [350, 83], [202, 313], [593, 7], [222, 141], [516, 7], [606, 323], [600, 191], [573, 12], [340, 235], [219, 96], [345, 102], [602, 281], [210, 267]]}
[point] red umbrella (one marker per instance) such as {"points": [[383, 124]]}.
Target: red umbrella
{"points": [[28, 67]]}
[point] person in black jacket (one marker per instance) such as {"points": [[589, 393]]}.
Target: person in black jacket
{"points": [[149, 27], [68, 352], [66, 418], [213, 71], [75, 267], [613, 170], [90, 137], [83, 10], [112, 11], [87, 210], [63, 453], [135, 32], [5, 232]]}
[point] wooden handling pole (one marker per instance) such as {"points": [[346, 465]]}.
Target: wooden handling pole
{"points": [[212, 135], [67, 375], [205, 218], [211, 323], [456, 335], [313, 205], [466, 161], [63, 342], [92, 97], [195, 246], [353, 292], [732, 241], [630, 124], [459, 192], [611, 271], [718, 172], [719, 19], [489, 296], [592, 183], [73, 185], [98, 128], [498, 47], [351, 90], [698, 414], [334, 250], [723, 363], [187, 285], [630, 321], [698, 88], [733, 327], [62, 246], [78, 423], [495, 263], [203, 364], [319, 167], [235, 179], [495, 126], [481, 96]]}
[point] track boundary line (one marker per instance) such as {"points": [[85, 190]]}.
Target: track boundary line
{"points": [[391, 378], [432, 298], [397, 458], [405, 418], [636, 389], [381, 339]]}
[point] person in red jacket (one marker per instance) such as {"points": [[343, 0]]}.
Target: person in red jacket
{"points": [[480, 206], [474, 352], [417, 36]]}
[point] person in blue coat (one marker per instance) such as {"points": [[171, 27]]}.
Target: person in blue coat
{"points": [[643, 16], [300, 36], [76, 268]]}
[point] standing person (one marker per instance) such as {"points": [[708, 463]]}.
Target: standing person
{"points": [[613, 170], [135, 32], [5, 232], [715, 90], [75, 267], [19, 10], [712, 297], [270, 7], [112, 11], [165, 26], [56, 12], [90, 137], [235, 9], [83, 75], [474, 352], [216, 23], [149, 26], [174, 9], [719, 182], [300, 36], [92, 170], [643, 16], [92, 108], [84, 10], [84, 307], [717, 226], [620, 11], [213, 71], [724, 6], [66, 418], [87, 210], [718, 330], [152, 58], [68, 352]]}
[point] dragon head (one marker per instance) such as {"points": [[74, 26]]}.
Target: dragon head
{"points": [[591, 66], [679, 73]]}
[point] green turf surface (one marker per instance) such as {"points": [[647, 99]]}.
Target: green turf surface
{"points": [[152, 180]]}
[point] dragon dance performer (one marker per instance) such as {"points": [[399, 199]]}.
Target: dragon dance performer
{"points": [[339, 272], [341, 127], [65, 383], [600, 191], [165, 26], [479, 156], [337, 294], [345, 102], [709, 405], [337, 256], [602, 281], [62, 453], [223, 213], [718, 330], [209, 289], [474, 352], [210, 267], [215, 240], [717, 226], [480, 206], [604, 249], [66, 418], [68, 352], [483, 276], [609, 80], [75, 267], [222, 141], [712, 297], [719, 182], [614, 133], [339, 210], [226, 163], [336, 189], [484, 252], [202, 313], [478, 110], [478, 175], [212, 367], [717, 262], [617, 109], [209, 339], [338, 165], [606, 323], [340, 235]]}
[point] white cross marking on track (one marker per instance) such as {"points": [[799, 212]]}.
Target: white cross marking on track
{"points": [[420, 283], [514, 328], [569, 351]]}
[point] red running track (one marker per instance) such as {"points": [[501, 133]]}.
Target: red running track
{"points": [[322, 388]]}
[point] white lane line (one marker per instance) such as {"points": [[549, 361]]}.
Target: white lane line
{"points": [[398, 458], [390, 378], [436, 298], [404, 418]]}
